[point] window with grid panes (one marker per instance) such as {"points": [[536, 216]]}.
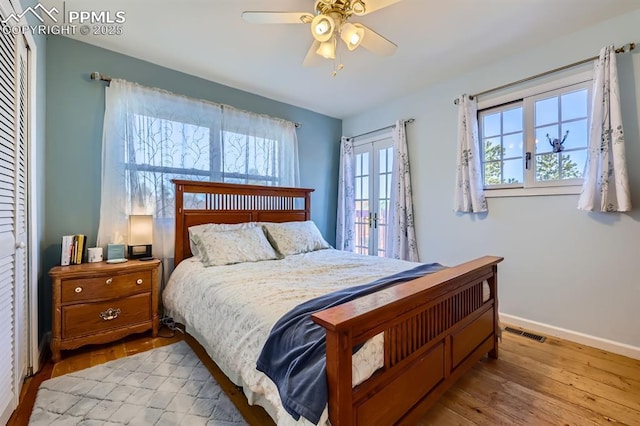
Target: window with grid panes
{"points": [[537, 141]]}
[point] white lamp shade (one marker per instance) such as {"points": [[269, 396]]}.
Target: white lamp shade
{"points": [[358, 7], [140, 230], [327, 49], [352, 35], [322, 27]]}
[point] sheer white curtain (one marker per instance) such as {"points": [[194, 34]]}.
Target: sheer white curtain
{"points": [[469, 195], [151, 136], [345, 220], [401, 234], [257, 149], [606, 183]]}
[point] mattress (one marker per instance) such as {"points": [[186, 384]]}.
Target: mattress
{"points": [[231, 309]]}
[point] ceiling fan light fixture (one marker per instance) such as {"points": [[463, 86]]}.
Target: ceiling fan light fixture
{"points": [[352, 35], [322, 27], [358, 7], [327, 49], [330, 26]]}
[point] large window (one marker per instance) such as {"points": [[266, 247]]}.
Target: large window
{"points": [[537, 141], [152, 136], [162, 149]]}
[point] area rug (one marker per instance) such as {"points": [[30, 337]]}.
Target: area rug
{"points": [[163, 386]]}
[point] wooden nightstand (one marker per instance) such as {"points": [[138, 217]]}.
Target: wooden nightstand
{"points": [[101, 302]]}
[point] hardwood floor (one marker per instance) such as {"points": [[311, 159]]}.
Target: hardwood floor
{"points": [[551, 383], [555, 382]]}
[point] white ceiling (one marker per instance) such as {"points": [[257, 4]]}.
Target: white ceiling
{"points": [[436, 39]]}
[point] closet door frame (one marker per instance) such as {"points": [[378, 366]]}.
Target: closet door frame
{"points": [[25, 48], [33, 246]]}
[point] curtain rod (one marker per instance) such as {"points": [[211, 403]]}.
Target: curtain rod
{"points": [[626, 48], [101, 77], [410, 120]]}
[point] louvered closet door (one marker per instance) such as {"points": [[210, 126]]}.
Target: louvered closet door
{"points": [[9, 163]]}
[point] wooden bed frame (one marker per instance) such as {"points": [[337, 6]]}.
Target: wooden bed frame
{"points": [[435, 327]]}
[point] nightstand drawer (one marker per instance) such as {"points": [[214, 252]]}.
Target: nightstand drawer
{"points": [[91, 318], [105, 287]]}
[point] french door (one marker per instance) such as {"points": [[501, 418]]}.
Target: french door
{"points": [[374, 160]]}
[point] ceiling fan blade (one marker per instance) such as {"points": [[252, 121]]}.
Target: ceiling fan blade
{"points": [[277, 17], [312, 59], [376, 43], [373, 5]]}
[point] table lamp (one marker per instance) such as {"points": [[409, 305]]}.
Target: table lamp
{"points": [[140, 236]]}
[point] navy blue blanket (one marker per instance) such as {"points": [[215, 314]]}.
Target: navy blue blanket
{"points": [[294, 356]]}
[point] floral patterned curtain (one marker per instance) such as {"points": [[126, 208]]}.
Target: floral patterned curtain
{"points": [[401, 234], [606, 183], [469, 195], [345, 221]]}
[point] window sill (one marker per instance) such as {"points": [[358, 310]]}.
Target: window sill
{"points": [[533, 192]]}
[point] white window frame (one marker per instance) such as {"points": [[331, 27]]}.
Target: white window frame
{"points": [[527, 97]]}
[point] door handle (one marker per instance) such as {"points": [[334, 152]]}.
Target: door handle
{"points": [[20, 245]]}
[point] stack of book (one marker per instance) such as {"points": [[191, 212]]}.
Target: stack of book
{"points": [[73, 247]]}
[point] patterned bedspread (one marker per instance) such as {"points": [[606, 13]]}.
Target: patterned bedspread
{"points": [[231, 310]]}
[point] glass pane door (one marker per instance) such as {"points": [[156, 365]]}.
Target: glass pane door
{"points": [[362, 210], [385, 161], [374, 160]]}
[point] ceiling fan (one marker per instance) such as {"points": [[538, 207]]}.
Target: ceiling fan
{"points": [[330, 23]]}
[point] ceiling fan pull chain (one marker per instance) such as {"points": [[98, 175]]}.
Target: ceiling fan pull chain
{"points": [[340, 66]]}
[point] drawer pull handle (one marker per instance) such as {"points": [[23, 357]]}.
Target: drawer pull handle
{"points": [[139, 281], [78, 290], [110, 314], [109, 281]]}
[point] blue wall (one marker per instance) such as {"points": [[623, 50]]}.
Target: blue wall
{"points": [[75, 110]]}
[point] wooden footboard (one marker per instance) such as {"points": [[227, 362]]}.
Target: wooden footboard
{"points": [[435, 328]]}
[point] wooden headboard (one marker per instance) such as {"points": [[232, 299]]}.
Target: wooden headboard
{"points": [[215, 202]]}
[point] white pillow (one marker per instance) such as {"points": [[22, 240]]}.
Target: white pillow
{"points": [[295, 237], [213, 227], [236, 246]]}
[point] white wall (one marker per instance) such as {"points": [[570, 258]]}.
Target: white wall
{"points": [[563, 267]]}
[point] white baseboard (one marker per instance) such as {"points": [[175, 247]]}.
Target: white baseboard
{"points": [[573, 336]]}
